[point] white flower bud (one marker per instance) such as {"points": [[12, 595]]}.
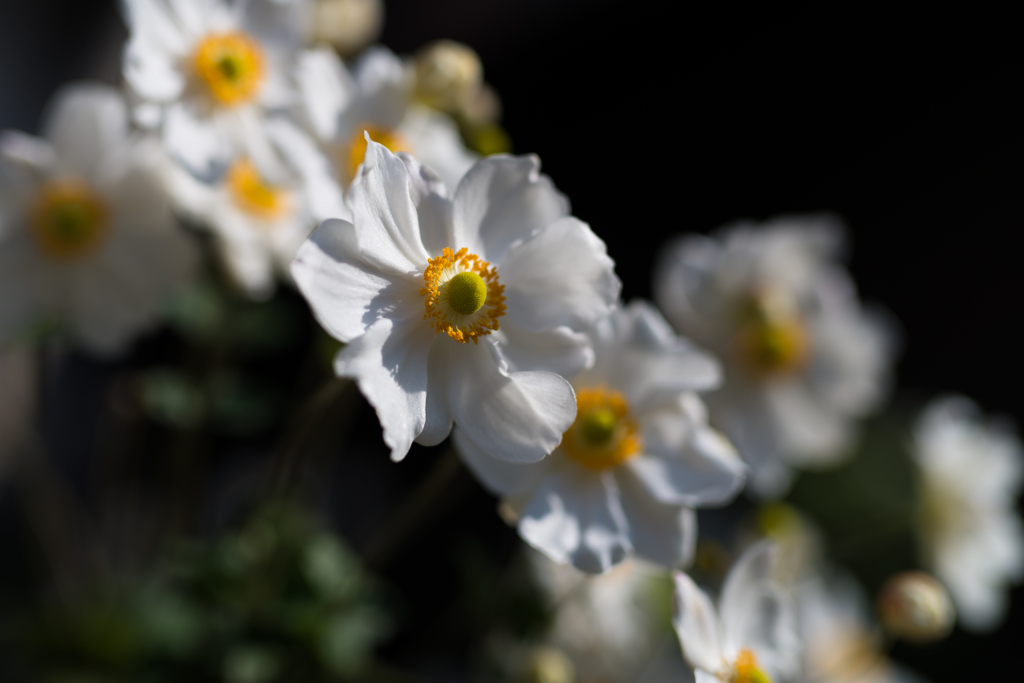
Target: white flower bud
{"points": [[549, 665], [447, 73], [916, 607], [348, 25]]}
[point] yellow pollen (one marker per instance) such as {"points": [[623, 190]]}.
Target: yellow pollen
{"points": [[357, 145], [252, 195], [604, 434], [462, 296], [68, 219], [231, 66], [746, 669], [772, 339]]}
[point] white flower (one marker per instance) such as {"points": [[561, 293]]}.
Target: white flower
{"points": [[86, 231], [841, 644], [752, 637], [376, 98], [606, 624], [207, 71], [636, 460], [802, 359], [970, 534], [265, 205], [419, 275]]}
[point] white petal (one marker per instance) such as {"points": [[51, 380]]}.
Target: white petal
{"points": [[687, 464], [152, 72], [663, 533], [696, 624], [702, 676], [31, 155], [639, 354], [574, 516], [498, 476], [384, 211], [150, 20], [390, 364], [559, 350], [744, 418], [323, 195], [436, 142], [433, 207], [195, 141], [246, 258], [383, 88], [518, 416], [501, 200], [755, 611], [811, 432], [561, 277], [346, 294], [326, 89], [85, 123]]}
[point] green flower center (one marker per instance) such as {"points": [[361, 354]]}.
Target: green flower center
{"points": [[466, 293], [598, 426]]}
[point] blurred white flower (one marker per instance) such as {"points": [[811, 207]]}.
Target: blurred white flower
{"points": [[841, 644], [752, 637], [265, 205], [608, 625], [206, 71], [377, 97], [636, 460], [87, 237], [801, 358], [419, 275], [971, 536]]}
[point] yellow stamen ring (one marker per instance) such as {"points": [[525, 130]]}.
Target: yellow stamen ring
{"points": [[252, 194], [231, 65], [357, 145], [463, 297], [604, 434], [68, 219]]}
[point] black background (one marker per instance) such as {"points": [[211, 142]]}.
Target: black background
{"points": [[656, 119]]}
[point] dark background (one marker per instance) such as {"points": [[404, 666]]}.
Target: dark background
{"points": [[657, 122]]}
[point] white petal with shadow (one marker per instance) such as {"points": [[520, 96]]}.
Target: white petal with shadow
{"points": [[389, 363], [574, 516], [561, 277], [503, 199]]}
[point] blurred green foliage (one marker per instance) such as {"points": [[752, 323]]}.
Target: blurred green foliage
{"points": [[281, 600]]}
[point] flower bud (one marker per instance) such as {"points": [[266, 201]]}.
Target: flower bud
{"points": [[916, 607], [348, 25], [447, 73], [548, 665]]}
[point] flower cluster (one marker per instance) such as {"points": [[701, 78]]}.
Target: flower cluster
{"points": [[468, 304]]}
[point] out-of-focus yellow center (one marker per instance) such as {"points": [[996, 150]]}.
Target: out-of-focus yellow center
{"points": [[772, 339], [68, 219], [231, 65], [253, 195], [604, 434], [357, 145], [746, 669], [462, 295]]}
